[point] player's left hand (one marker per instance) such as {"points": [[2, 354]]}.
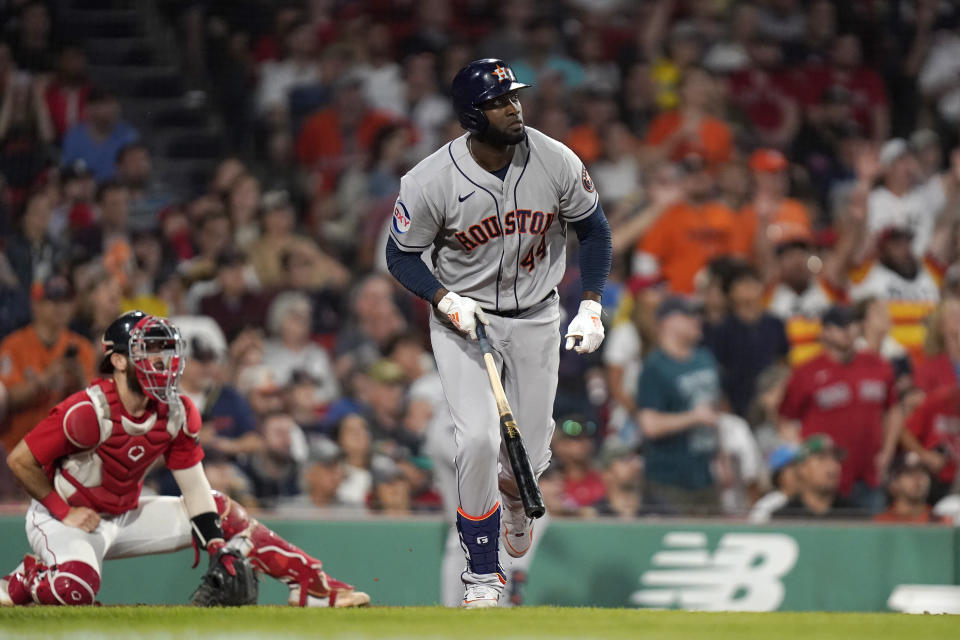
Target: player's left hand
{"points": [[585, 333]]}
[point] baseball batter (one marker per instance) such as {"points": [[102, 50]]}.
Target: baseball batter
{"points": [[494, 208], [84, 466]]}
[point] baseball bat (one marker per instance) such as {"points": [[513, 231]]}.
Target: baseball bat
{"points": [[519, 461]]}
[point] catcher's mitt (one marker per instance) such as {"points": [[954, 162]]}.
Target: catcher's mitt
{"points": [[230, 581]]}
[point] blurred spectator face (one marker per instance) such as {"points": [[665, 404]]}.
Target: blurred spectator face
{"points": [[554, 122], [226, 174], [433, 14], [911, 485], [898, 253], [820, 472], [681, 327], [322, 480], [393, 495], [148, 253], [775, 183], [35, 21], [106, 296], [950, 318], [765, 54], [734, 181], [115, 206], [838, 338], [354, 437], [301, 42], [684, 50], [618, 142], [571, 444], [295, 326], [408, 354], [55, 315], [788, 479], [746, 20], [103, 114], [36, 218], [196, 375], [299, 271], [698, 183], [135, 167], [278, 221], [221, 474], [846, 52], [794, 266], [277, 430], [73, 66], [386, 398], [421, 74], [638, 87], [214, 234], [746, 292], [231, 280], [624, 471], [821, 20], [696, 89], [244, 199], [905, 170], [80, 188]]}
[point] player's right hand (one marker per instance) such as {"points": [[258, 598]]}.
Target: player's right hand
{"points": [[82, 518], [463, 313]]}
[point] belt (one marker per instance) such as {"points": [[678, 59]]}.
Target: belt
{"points": [[519, 312]]}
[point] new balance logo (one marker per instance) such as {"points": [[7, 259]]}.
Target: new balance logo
{"points": [[462, 198], [483, 540], [743, 574]]}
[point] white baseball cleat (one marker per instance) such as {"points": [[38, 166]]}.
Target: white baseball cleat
{"points": [[480, 596], [516, 533]]}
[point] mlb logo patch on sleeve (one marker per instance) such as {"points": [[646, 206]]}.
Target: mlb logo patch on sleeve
{"points": [[401, 218]]}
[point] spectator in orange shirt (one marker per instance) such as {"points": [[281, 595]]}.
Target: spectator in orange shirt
{"points": [[335, 138], [690, 128], [44, 362], [908, 488], [688, 234], [771, 212]]}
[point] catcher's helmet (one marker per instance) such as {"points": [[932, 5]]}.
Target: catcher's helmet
{"points": [[479, 81], [154, 347]]}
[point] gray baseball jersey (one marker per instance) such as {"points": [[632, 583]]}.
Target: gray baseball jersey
{"points": [[500, 242]]}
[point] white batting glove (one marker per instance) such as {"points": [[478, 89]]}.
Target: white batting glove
{"points": [[463, 313], [587, 328]]}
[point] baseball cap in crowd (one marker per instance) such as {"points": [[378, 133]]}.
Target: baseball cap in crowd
{"points": [[820, 443], [905, 462], [923, 138], [201, 350], [610, 454], [77, 170], [892, 150], [277, 199], [323, 450], [768, 161], [386, 372], [676, 304], [55, 288], [839, 315], [782, 457]]}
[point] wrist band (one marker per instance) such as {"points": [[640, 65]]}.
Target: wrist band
{"points": [[56, 505]]}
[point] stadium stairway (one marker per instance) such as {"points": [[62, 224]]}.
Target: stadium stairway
{"points": [[133, 52]]}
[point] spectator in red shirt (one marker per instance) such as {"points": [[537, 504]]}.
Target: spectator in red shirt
{"points": [[909, 488], [766, 95], [573, 449], [933, 433], [864, 85], [66, 96], [941, 360], [849, 395]]}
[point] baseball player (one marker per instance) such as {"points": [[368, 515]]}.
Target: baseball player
{"points": [[494, 207], [84, 466]]}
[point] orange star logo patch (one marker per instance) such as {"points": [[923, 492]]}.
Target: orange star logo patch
{"points": [[501, 73]]}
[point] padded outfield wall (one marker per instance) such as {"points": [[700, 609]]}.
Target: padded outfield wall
{"points": [[683, 564]]}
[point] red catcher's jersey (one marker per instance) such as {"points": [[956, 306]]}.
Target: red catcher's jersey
{"points": [[96, 454]]}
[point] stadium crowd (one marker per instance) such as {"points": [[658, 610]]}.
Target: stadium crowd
{"points": [[783, 182]]}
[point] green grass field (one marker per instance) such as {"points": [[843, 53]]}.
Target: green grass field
{"points": [[161, 623]]}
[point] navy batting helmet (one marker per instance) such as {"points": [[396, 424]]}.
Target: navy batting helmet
{"points": [[479, 81]]}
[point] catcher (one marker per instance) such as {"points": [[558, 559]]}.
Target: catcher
{"points": [[84, 466]]}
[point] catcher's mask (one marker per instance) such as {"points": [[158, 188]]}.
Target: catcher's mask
{"points": [[155, 351]]}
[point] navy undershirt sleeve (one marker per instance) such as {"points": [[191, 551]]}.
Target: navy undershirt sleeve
{"points": [[410, 271], [596, 250]]}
